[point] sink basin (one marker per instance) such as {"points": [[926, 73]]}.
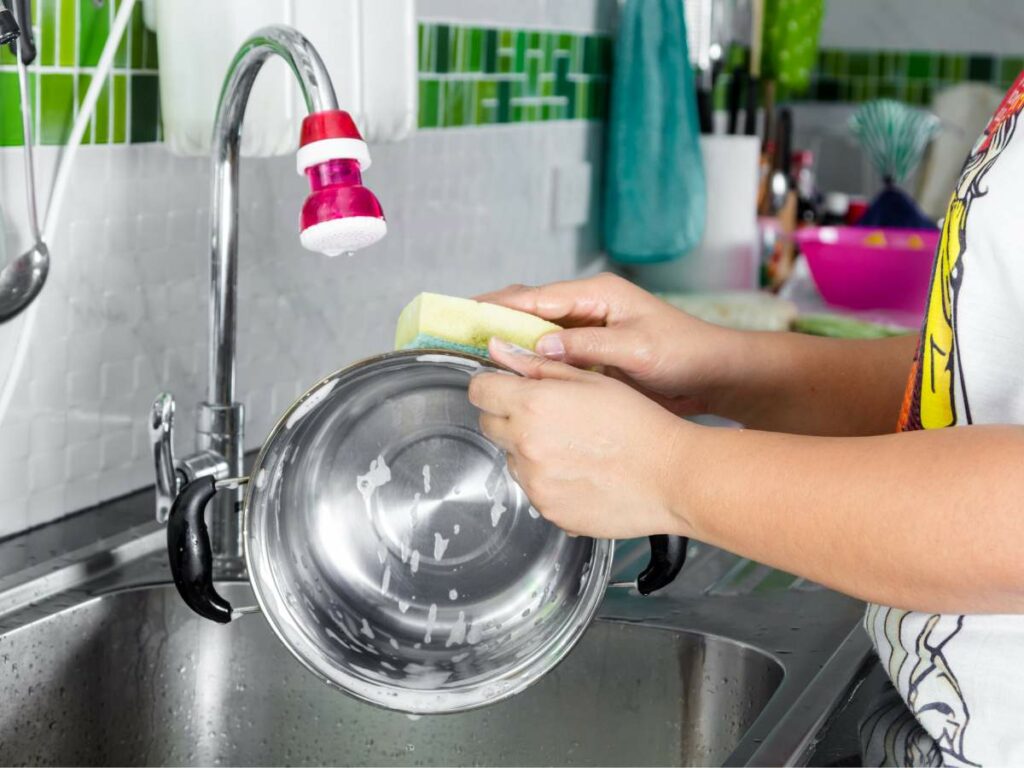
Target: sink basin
{"points": [[134, 678]]}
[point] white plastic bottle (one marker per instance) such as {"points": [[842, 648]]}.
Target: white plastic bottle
{"points": [[369, 47]]}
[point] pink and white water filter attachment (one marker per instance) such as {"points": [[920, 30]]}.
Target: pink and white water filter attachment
{"points": [[340, 215]]}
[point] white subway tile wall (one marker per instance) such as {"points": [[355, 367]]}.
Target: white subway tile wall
{"points": [[124, 314]]}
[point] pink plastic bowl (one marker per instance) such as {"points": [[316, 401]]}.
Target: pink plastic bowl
{"points": [[869, 268]]}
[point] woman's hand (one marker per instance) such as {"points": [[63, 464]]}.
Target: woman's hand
{"points": [[781, 382], [594, 457], [673, 358]]}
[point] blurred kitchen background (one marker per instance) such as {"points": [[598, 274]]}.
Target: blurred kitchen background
{"points": [[497, 178]]}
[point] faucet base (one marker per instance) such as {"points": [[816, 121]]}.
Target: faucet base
{"points": [[220, 431]]}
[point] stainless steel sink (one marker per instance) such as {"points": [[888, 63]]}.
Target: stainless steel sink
{"points": [[134, 678], [102, 664]]}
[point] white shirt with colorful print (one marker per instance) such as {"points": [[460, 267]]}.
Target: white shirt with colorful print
{"points": [[963, 676]]}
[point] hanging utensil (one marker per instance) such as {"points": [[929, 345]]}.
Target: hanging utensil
{"points": [[738, 80], [699, 17], [23, 278], [756, 55], [9, 30]]}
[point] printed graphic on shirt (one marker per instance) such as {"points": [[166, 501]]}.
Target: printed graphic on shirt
{"points": [[890, 735], [929, 685], [937, 392]]}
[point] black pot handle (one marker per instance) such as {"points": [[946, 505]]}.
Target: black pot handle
{"points": [[668, 554], [188, 548]]}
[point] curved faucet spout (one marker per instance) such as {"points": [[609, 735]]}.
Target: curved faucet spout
{"points": [[221, 420], [318, 93]]}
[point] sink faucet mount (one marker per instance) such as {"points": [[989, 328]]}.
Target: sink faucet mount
{"points": [[339, 216]]}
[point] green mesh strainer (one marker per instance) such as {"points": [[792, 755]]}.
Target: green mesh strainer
{"points": [[894, 136]]}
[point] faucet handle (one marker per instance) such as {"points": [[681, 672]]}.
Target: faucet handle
{"points": [[161, 436]]}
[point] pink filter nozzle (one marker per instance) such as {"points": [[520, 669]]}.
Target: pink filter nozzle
{"points": [[340, 215]]}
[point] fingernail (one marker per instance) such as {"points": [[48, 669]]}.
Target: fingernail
{"points": [[509, 348], [551, 346]]}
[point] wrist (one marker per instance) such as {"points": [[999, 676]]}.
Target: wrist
{"points": [[682, 463], [729, 362]]}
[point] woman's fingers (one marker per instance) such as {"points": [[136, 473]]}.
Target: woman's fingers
{"points": [[496, 393], [618, 347], [497, 429], [571, 303], [531, 365]]}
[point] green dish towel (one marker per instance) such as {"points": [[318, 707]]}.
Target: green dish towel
{"points": [[654, 195], [792, 29]]}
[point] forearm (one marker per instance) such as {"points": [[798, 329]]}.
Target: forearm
{"points": [[928, 521], [787, 382]]}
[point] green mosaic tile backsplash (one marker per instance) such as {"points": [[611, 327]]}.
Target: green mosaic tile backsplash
{"points": [[70, 35], [467, 76], [912, 77], [483, 76]]}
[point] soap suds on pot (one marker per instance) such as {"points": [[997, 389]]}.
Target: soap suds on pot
{"points": [[440, 545], [458, 631], [431, 618], [376, 477], [497, 510], [364, 629]]}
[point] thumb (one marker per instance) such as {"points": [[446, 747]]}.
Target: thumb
{"points": [[528, 364], [595, 346]]}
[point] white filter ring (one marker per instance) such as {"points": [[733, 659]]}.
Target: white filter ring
{"points": [[321, 151]]}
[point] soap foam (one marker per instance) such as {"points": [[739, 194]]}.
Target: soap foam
{"points": [[376, 477], [440, 545]]}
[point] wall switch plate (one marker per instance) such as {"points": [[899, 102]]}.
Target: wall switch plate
{"points": [[572, 191]]}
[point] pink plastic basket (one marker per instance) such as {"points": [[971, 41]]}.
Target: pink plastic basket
{"points": [[866, 268]]}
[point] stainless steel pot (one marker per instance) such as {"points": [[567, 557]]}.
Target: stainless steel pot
{"points": [[391, 551]]}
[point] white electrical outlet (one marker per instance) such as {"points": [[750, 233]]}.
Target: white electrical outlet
{"points": [[572, 189]]}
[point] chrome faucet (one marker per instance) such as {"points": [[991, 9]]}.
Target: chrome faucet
{"points": [[220, 426]]}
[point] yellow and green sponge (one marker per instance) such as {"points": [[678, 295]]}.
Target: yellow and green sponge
{"points": [[434, 321]]}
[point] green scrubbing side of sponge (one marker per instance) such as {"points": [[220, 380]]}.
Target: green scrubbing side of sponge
{"points": [[433, 321], [426, 341]]}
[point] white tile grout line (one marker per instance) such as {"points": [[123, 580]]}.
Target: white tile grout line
{"points": [[512, 76], [539, 101], [109, 86], [128, 77], [78, 53]]}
